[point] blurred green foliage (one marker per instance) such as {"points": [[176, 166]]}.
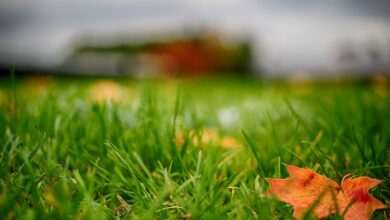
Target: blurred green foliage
{"points": [[68, 153]]}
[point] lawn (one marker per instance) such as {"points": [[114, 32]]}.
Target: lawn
{"points": [[95, 148]]}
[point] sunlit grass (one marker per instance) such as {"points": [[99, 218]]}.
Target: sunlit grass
{"points": [[79, 148]]}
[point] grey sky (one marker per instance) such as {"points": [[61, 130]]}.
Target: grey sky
{"points": [[288, 35]]}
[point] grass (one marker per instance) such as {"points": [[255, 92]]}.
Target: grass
{"points": [[185, 149]]}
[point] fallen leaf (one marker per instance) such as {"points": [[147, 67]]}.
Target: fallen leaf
{"points": [[207, 136], [36, 86], [307, 190], [3, 97], [355, 201], [302, 189], [230, 142], [107, 90], [380, 85]]}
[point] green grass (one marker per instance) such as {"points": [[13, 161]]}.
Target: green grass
{"points": [[64, 156]]}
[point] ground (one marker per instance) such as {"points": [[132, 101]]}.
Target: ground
{"points": [[99, 148]]}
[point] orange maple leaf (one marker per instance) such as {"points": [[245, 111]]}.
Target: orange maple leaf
{"points": [[307, 190], [355, 201]]}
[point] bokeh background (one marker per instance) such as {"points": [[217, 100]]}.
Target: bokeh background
{"points": [[178, 109], [146, 38]]}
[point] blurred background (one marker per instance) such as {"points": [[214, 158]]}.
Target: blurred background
{"points": [[144, 38]]}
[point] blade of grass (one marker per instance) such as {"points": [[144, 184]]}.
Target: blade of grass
{"points": [[29, 157], [254, 151]]}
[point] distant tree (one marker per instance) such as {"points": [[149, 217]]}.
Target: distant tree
{"points": [[347, 56], [347, 53], [374, 54]]}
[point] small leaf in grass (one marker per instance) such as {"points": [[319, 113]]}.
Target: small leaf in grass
{"points": [[308, 191]]}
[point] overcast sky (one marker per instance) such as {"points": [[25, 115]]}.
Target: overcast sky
{"points": [[293, 35]]}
